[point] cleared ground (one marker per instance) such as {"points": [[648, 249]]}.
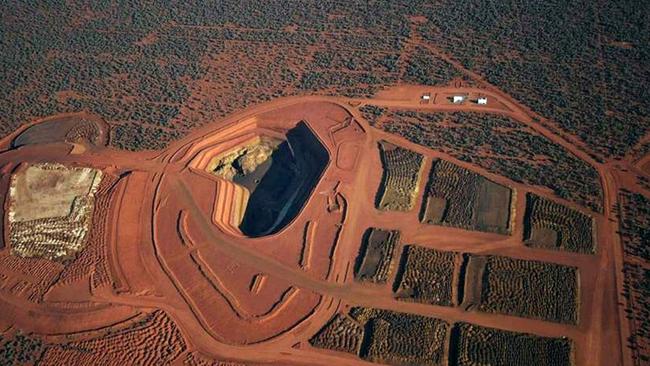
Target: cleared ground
{"points": [[50, 209], [461, 198], [376, 255], [487, 346], [399, 183], [75, 128], [550, 225], [288, 296], [525, 288], [426, 276]]}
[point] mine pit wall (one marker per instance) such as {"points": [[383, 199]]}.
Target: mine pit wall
{"points": [[204, 144], [229, 206], [203, 153], [313, 158], [232, 200], [207, 159]]}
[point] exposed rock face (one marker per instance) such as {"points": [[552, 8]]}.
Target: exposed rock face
{"points": [[273, 178], [245, 159]]}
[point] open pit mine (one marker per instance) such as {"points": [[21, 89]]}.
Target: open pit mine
{"points": [[292, 233]]}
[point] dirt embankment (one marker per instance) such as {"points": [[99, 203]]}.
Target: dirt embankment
{"points": [[275, 292]]}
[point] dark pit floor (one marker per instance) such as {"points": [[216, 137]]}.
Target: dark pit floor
{"points": [[281, 186]]}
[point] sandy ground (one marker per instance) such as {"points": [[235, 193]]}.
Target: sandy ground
{"points": [[260, 300]]}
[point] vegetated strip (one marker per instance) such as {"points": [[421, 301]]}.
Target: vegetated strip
{"points": [[500, 145]]}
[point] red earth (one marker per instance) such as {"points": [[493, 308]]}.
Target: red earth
{"points": [[162, 243]]}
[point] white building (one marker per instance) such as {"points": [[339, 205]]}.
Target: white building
{"points": [[459, 98], [482, 100]]}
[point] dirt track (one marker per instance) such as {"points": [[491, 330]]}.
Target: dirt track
{"points": [[164, 250]]}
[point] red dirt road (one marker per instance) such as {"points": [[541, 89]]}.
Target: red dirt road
{"points": [[260, 300]]}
